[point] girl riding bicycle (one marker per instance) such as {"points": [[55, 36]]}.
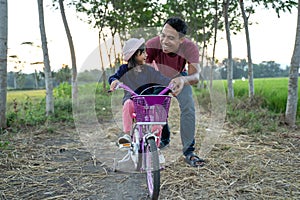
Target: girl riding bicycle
{"points": [[138, 76]]}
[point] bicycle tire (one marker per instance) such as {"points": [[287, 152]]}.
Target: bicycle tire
{"points": [[152, 169], [140, 162], [137, 150]]}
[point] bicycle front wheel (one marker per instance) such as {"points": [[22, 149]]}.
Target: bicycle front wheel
{"points": [[151, 161]]}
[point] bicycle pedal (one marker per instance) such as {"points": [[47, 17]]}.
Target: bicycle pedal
{"points": [[125, 146]]}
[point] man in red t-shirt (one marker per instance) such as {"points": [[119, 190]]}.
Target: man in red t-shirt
{"points": [[175, 55]]}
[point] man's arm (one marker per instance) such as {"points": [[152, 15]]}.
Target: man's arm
{"points": [[193, 74], [191, 79]]}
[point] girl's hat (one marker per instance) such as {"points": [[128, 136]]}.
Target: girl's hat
{"points": [[131, 46]]}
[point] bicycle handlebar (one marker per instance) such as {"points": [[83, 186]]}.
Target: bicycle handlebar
{"points": [[169, 87], [125, 87]]}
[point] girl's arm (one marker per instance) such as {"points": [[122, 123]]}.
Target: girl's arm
{"points": [[114, 79]]}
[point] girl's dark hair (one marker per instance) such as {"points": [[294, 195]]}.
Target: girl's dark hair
{"points": [[139, 51], [178, 24]]}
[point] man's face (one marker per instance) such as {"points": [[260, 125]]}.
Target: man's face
{"points": [[169, 39]]}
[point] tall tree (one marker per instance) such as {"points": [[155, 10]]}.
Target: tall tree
{"points": [[249, 57], [3, 61], [229, 66], [216, 26], [119, 16], [278, 6], [47, 69], [292, 100], [72, 50], [97, 13]]}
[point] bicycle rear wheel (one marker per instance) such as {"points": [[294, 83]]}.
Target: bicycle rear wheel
{"points": [[151, 161]]}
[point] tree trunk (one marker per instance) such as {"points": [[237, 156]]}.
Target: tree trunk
{"points": [[47, 69], [36, 79], [115, 53], [250, 64], [15, 80], [72, 51], [229, 46], [201, 76], [215, 42], [3, 61], [292, 100], [102, 63], [108, 52]]}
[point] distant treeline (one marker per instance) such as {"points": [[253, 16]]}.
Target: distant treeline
{"points": [[266, 69], [19, 80]]}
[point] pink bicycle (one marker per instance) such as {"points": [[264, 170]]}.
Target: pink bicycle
{"points": [[151, 111]]}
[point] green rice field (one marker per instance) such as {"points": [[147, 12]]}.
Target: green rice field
{"points": [[274, 91], [21, 95]]}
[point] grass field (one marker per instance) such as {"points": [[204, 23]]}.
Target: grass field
{"points": [[21, 95], [274, 92]]}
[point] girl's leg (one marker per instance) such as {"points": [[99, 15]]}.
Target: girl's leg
{"points": [[157, 128], [128, 110]]}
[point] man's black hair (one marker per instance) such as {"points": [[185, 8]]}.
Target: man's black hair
{"points": [[178, 24]]}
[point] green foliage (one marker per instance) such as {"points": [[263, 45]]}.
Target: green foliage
{"points": [[277, 5], [30, 111], [262, 114], [62, 110], [120, 16], [64, 90], [103, 103], [63, 75], [26, 113], [252, 116], [62, 103]]}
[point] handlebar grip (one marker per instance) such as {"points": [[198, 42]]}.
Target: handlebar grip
{"points": [[124, 87], [166, 89], [116, 87]]}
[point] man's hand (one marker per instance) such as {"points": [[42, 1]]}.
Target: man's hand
{"points": [[178, 84]]}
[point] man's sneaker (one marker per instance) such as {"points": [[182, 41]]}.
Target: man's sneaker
{"points": [[124, 139]]}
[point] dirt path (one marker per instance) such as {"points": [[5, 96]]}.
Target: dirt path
{"points": [[73, 163], [56, 165], [47, 164]]}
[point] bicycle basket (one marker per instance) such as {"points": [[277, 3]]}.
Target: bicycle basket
{"points": [[151, 108]]}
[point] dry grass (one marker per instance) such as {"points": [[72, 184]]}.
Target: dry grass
{"points": [[43, 165], [241, 167]]}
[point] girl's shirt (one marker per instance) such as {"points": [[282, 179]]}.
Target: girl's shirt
{"points": [[138, 80]]}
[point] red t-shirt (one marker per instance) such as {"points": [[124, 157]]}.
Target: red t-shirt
{"points": [[172, 64]]}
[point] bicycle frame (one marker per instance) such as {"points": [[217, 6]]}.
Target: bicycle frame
{"points": [[151, 110]]}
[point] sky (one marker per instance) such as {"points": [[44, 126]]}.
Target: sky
{"points": [[272, 38]]}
